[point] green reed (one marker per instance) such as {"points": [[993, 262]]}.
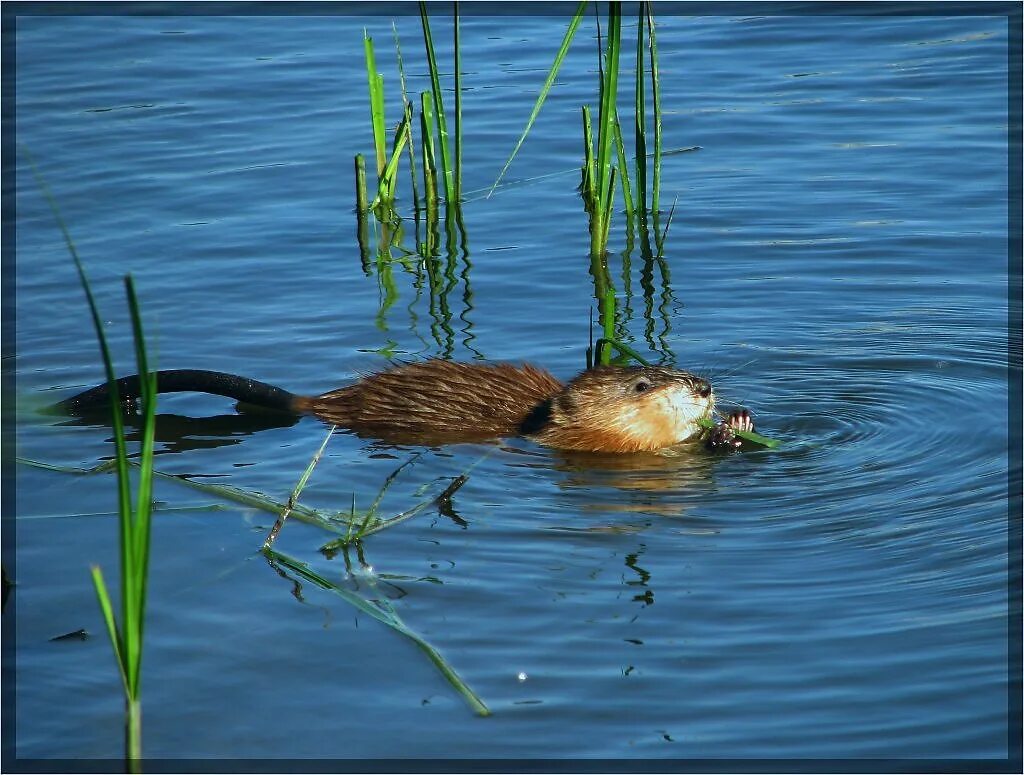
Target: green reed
{"points": [[375, 82], [135, 524], [452, 179], [134, 519]]}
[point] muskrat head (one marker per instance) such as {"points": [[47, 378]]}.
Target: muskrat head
{"points": [[627, 409]]}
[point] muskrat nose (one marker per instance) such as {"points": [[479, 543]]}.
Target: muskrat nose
{"points": [[703, 388]]}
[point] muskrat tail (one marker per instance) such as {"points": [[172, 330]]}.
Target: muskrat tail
{"points": [[242, 389]]}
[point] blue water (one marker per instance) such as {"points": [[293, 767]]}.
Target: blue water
{"points": [[836, 262]]}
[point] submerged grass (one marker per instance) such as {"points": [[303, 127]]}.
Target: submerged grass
{"points": [[293, 499], [382, 610]]}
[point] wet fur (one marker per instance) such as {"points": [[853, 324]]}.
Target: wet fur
{"points": [[476, 399]]}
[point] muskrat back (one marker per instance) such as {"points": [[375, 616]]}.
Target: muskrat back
{"points": [[440, 397]]}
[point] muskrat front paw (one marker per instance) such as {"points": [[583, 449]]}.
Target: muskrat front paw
{"points": [[723, 437]]}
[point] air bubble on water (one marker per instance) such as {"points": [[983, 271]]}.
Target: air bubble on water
{"points": [[521, 677]]}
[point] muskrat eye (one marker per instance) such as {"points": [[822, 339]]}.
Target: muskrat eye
{"points": [[642, 386], [703, 388]]}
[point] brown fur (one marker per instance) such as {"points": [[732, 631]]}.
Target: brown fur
{"points": [[435, 397], [599, 411]]}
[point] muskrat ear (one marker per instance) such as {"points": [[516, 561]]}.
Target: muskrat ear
{"points": [[642, 385]]}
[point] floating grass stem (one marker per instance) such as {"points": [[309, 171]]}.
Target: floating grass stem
{"points": [[293, 499]]}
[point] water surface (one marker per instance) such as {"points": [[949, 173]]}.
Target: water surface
{"points": [[837, 262]]}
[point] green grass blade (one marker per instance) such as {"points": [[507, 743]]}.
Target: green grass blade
{"points": [[656, 103], [589, 187], [375, 83], [609, 207], [435, 86], [253, 500], [606, 131], [640, 119], [384, 613], [124, 492], [620, 150], [408, 113], [293, 499], [429, 157], [386, 187], [142, 518], [108, 617], [570, 32], [609, 92], [458, 107]]}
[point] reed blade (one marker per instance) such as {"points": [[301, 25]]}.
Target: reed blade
{"points": [[375, 83], [656, 105], [435, 86], [107, 609], [386, 187], [141, 520], [606, 131], [640, 119], [620, 151], [458, 106], [408, 112], [570, 33]]}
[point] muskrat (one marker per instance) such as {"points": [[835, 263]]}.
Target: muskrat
{"points": [[606, 409]]}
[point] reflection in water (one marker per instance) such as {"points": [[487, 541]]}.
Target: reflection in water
{"points": [[685, 468], [646, 597], [426, 262], [179, 433]]}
